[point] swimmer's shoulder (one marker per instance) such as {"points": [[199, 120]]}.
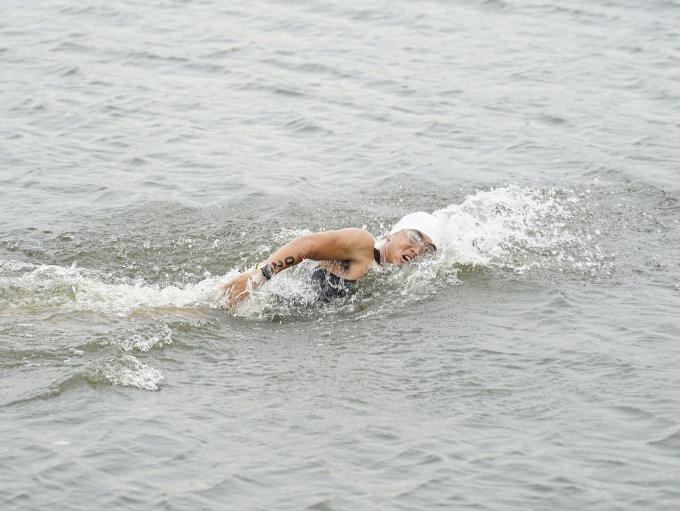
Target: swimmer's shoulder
{"points": [[358, 238]]}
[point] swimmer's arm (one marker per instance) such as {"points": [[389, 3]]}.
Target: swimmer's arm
{"points": [[343, 245]]}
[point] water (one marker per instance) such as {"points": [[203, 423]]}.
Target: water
{"points": [[149, 150]]}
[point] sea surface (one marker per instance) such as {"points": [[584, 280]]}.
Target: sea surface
{"points": [[150, 150]]}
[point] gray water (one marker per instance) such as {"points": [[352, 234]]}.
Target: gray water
{"points": [[150, 150]]}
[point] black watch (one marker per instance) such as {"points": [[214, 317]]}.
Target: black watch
{"points": [[268, 271]]}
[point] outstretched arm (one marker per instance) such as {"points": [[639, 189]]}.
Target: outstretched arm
{"points": [[352, 245]]}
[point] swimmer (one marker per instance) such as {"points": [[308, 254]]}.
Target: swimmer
{"points": [[344, 256]]}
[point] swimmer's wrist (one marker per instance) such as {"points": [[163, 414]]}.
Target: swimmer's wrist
{"points": [[266, 270]]}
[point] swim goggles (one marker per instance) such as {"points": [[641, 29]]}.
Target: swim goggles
{"points": [[415, 238]]}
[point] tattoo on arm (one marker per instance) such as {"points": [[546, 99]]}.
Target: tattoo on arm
{"points": [[279, 264]]}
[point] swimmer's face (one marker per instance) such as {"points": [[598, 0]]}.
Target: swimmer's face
{"points": [[400, 248]]}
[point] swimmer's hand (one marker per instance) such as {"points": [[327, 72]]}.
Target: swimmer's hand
{"points": [[240, 287]]}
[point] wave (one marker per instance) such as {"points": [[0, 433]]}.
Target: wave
{"points": [[42, 287]]}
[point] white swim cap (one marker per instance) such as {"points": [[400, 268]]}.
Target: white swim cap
{"points": [[424, 222]]}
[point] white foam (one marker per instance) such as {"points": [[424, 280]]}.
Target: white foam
{"points": [[124, 298], [127, 371], [514, 228], [80, 289], [141, 336]]}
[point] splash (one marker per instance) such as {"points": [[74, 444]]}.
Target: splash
{"points": [[49, 287], [517, 229], [522, 229]]}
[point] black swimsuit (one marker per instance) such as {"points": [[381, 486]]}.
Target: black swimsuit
{"points": [[330, 285]]}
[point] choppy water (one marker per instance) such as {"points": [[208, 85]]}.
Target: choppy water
{"points": [[150, 149]]}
